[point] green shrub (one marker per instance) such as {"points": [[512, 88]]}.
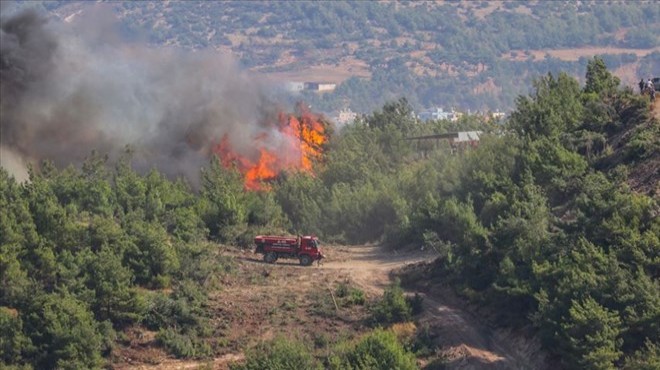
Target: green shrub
{"points": [[342, 290], [64, 332], [423, 343], [320, 340], [322, 304], [416, 304], [392, 308], [13, 343], [643, 143], [182, 320], [378, 350], [279, 354], [183, 308], [183, 345], [356, 297], [647, 358], [348, 295]]}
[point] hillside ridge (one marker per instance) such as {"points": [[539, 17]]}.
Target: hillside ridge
{"points": [[380, 51]]}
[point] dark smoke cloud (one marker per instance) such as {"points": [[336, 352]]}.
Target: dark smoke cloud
{"points": [[68, 88]]}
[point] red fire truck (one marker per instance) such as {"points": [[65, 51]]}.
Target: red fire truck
{"points": [[305, 248]]}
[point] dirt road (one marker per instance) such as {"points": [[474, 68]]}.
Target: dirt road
{"points": [[465, 342], [259, 301], [370, 266]]}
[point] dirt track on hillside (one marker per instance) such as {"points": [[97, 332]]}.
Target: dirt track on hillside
{"points": [[463, 341]]}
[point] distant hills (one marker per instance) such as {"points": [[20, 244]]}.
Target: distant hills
{"points": [[476, 55]]}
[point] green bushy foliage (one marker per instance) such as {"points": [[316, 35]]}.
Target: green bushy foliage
{"points": [[76, 245], [647, 358], [539, 225], [392, 308], [183, 345], [224, 202], [598, 79], [416, 304], [349, 295], [183, 309], [298, 194], [552, 109], [152, 256], [644, 142], [279, 354], [592, 333], [377, 350], [423, 342], [182, 320], [115, 299], [64, 333], [15, 346]]}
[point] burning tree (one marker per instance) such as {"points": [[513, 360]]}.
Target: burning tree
{"points": [[304, 136]]}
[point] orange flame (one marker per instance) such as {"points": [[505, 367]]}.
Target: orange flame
{"points": [[305, 137]]}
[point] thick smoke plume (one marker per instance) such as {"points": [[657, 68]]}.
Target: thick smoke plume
{"points": [[67, 88]]}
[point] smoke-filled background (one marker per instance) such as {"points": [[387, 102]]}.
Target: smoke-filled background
{"points": [[67, 88]]}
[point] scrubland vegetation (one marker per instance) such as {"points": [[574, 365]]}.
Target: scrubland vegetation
{"points": [[538, 223]]}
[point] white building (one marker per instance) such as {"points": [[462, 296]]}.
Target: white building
{"points": [[467, 137], [320, 86], [345, 116], [438, 114], [497, 115], [294, 87]]}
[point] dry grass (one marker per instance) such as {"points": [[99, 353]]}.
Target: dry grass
{"points": [[347, 68]]}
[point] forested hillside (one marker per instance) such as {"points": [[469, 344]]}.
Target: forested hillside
{"points": [[476, 55], [538, 223]]}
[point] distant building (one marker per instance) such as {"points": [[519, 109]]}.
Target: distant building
{"points": [[466, 137], [345, 116], [439, 114], [295, 86], [319, 86], [497, 115], [458, 141]]}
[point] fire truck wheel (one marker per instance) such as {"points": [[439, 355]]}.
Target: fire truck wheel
{"points": [[305, 260], [270, 257]]}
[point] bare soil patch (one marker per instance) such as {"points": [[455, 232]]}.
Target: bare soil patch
{"points": [[483, 12], [333, 73]]}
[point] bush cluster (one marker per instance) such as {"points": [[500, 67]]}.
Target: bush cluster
{"points": [[393, 307], [376, 350], [82, 251]]}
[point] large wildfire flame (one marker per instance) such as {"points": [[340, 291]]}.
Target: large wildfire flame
{"points": [[305, 136]]}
